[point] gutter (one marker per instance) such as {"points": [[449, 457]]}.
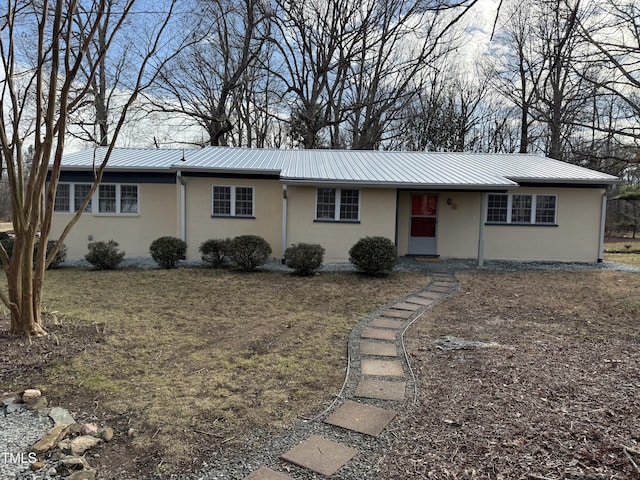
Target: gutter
{"points": [[183, 206], [603, 221]]}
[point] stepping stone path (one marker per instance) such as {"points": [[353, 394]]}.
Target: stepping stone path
{"points": [[381, 378]]}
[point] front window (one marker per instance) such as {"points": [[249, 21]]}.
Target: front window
{"points": [[107, 199], [62, 202], [520, 209], [338, 204], [80, 192], [232, 201]]}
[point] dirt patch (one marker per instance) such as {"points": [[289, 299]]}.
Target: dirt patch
{"points": [[557, 398]]}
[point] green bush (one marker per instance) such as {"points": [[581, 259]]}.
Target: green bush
{"points": [[304, 258], [374, 255], [104, 255], [249, 251], [214, 251], [168, 251]]}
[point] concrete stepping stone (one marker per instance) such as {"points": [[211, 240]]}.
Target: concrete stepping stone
{"points": [[430, 295], [361, 418], [378, 349], [378, 334], [441, 288], [420, 300], [264, 473], [381, 368], [390, 312], [407, 306], [387, 323], [320, 455], [381, 389]]}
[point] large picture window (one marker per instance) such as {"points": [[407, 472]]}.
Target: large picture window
{"points": [[109, 198], [517, 209], [232, 201], [338, 204]]}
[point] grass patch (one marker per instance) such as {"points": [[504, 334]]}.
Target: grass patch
{"points": [[191, 361], [626, 258]]}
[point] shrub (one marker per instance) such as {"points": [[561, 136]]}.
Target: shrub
{"points": [[168, 251], [7, 242], [104, 255], [61, 255], [214, 251], [304, 258], [249, 251], [374, 255]]}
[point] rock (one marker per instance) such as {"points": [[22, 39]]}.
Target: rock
{"points": [[13, 407], [38, 403], [65, 445], [60, 416], [106, 434], [31, 395], [83, 475], [88, 429], [79, 445], [51, 438], [75, 463], [35, 466], [52, 472]]}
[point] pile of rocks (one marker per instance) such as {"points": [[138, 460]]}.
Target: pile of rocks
{"points": [[60, 452]]}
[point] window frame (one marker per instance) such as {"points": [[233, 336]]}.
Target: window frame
{"points": [[338, 204], [533, 209], [94, 207], [233, 201]]}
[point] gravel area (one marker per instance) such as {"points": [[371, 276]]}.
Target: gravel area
{"points": [[18, 432], [405, 264]]}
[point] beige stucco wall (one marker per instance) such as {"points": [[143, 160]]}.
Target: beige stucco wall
{"points": [[576, 238], [157, 216], [457, 228], [202, 226], [377, 218]]}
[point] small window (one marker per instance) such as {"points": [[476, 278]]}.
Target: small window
{"points": [[232, 201], [497, 208], [80, 193], [128, 199], [107, 199], [62, 202], [521, 209], [546, 209], [338, 204]]}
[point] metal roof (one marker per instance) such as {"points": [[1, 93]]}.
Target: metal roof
{"points": [[124, 159], [374, 168]]}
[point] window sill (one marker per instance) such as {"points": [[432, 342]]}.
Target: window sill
{"points": [[499, 224], [327, 220], [241, 217]]}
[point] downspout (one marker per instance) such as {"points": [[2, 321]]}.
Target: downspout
{"points": [[483, 208], [603, 221], [183, 206], [284, 220]]}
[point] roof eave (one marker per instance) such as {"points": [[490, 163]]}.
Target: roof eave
{"points": [[400, 185]]}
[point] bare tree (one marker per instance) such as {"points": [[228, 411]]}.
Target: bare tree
{"points": [[46, 75], [205, 80]]}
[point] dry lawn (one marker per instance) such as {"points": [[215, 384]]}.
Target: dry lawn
{"points": [[558, 398], [190, 363]]}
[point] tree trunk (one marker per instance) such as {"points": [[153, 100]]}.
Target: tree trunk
{"points": [[25, 292]]}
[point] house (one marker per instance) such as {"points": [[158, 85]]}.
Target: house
{"points": [[451, 205]]}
